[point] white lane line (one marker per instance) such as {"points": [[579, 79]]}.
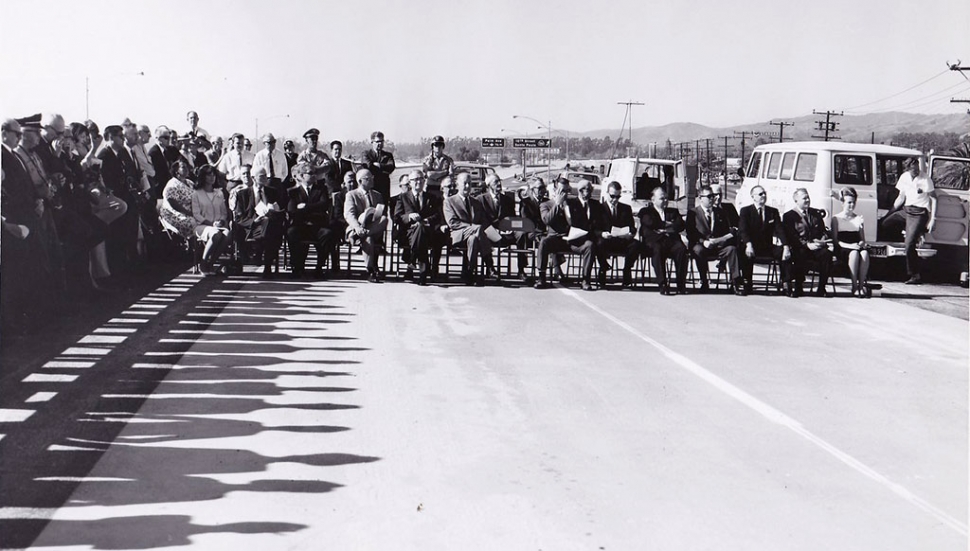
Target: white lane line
{"points": [[41, 397], [60, 364], [43, 378], [15, 415], [122, 330], [126, 320], [81, 351], [778, 417], [143, 365], [83, 479], [102, 339]]}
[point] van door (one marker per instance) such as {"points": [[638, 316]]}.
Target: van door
{"points": [[951, 178], [855, 170]]}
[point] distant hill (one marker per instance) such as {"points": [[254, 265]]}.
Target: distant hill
{"points": [[859, 128]]}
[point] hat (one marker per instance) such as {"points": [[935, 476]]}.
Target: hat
{"points": [[437, 140], [311, 132], [288, 143], [32, 121]]}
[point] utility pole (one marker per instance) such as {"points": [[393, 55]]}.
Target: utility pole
{"points": [[629, 115], [781, 129], [956, 100], [828, 126], [744, 134]]}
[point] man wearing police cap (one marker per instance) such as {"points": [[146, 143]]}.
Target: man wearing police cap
{"points": [[437, 165], [318, 160]]}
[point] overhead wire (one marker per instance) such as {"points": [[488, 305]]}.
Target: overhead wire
{"points": [[938, 75], [923, 100]]}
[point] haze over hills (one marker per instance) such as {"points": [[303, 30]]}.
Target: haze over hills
{"points": [[858, 128]]}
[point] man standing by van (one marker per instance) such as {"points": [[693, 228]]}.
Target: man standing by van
{"points": [[917, 198]]}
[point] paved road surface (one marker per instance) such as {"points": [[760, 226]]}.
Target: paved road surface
{"points": [[244, 414]]}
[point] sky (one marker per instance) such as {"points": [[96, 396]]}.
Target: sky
{"points": [[416, 68]]}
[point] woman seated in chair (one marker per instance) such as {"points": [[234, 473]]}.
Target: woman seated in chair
{"points": [[850, 239], [211, 214], [175, 211]]}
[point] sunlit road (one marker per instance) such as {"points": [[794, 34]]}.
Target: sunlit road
{"points": [[245, 414]]}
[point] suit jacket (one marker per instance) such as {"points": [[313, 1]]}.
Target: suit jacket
{"points": [[17, 191], [118, 172], [458, 215], [759, 234], [317, 209], [429, 211], [801, 230], [335, 174], [381, 165], [244, 211], [161, 164], [530, 208], [356, 203], [554, 216], [623, 218], [730, 213], [494, 211], [653, 229], [699, 229]]}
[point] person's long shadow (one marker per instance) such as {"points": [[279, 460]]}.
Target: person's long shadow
{"points": [[234, 405]]}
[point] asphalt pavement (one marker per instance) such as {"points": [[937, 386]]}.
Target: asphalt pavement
{"points": [[247, 414]]}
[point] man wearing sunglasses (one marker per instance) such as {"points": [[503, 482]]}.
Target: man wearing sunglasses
{"points": [[618, 235], [761, 235], [710, 237]]}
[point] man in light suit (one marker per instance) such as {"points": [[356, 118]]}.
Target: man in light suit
{"points": [[560, 214], [660, 231], [419, 212], [495, 207], [258, 215], [809, 242], [617, 215], [710, 237], [369, 229], [761, 235], [464, 216]]}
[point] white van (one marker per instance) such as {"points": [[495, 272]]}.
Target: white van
{"points": [[825, 168], [639, 176]]}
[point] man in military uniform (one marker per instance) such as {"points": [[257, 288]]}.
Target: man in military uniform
{"points": [[318, 160], [437, 165]]}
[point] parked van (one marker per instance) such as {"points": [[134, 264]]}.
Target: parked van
{"points": [[640, 176], [825, 168]]}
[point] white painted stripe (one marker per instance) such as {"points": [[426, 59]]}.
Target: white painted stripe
{"points": [[41, 397], [778, 417], [101, 339], [139, 313], [63, 448], [116, 330], [1, 436], [142, 365], [81, 351], [59, 364], [44, 378], [126, 320], [15, 415], [83, 479], [27, 513], [150, 306]]}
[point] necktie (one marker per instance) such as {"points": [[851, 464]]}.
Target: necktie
{"points": [[272, 173], [761, 214], [420, 201], [710, 220], [468, 206], [261, 195], [370, 203]]}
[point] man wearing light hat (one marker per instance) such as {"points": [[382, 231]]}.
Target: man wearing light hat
{"points": [[437, 165], [318, 160], [274, 162]]}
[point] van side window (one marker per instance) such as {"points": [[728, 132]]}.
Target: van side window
{"points": [[951, 174], [805, 169], [787, 165], [754, 165], [773, 165], [853, 170]]}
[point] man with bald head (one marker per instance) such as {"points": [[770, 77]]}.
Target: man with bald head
{"points": [[464, 217], [661, 230], [367, 221], [419, 213], [761, 235], [809, 241]]}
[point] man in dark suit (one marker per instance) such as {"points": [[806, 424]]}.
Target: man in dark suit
{"points": [[561, 214], [419, 213], [258, 216], [809, 242], [761, 235], [160, 160], [529, 208], [464, 217], [660, 231], [496, 206], [380, 163], [309, 214], [338, 166], [361, 208], [710, 237], [120, 175], [617, 216]]}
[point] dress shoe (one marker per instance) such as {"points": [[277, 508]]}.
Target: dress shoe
{"points": [[587, 286], [681, 290], [422, 280], [914, 280], [372, 277], [564, 281], [601, 279], [705, 287], [542, 284], [740, 291], [409, 273]]}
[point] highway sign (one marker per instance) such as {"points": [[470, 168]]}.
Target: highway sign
{"points": [[531, 142], [493, 142]]}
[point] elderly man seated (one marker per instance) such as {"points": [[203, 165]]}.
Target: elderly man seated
{"points": [[464, 216], [660, 231], [568, 227], [711, 237], [419, 214], [761, 235], [809, 241]]}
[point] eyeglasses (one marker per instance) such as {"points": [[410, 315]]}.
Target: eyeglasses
{"points": [[761, 193], [615, 196], [708, 196]]}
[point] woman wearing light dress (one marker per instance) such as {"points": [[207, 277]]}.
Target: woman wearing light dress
{"points": [[211, 213], [849, 234]]}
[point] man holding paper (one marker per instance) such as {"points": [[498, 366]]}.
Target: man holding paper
{"points": [[618, 236], [660, 229], [565, 218], [711, 237], [366, 220], [463, 214], [495, 207]]}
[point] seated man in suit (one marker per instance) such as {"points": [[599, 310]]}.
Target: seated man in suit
{"points": [[809, 241], [660, 231], [464, 217], [365, 223], [710, 237], [419, 214], [399, 227], [309, 213], [729, 211], [561, 214], [495, 207], [617, 216], [761, 235], [258, 217], [529, 209]]}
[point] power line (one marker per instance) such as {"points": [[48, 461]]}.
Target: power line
{"points": [[936, 96], [903, 92], [828, 127]]}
